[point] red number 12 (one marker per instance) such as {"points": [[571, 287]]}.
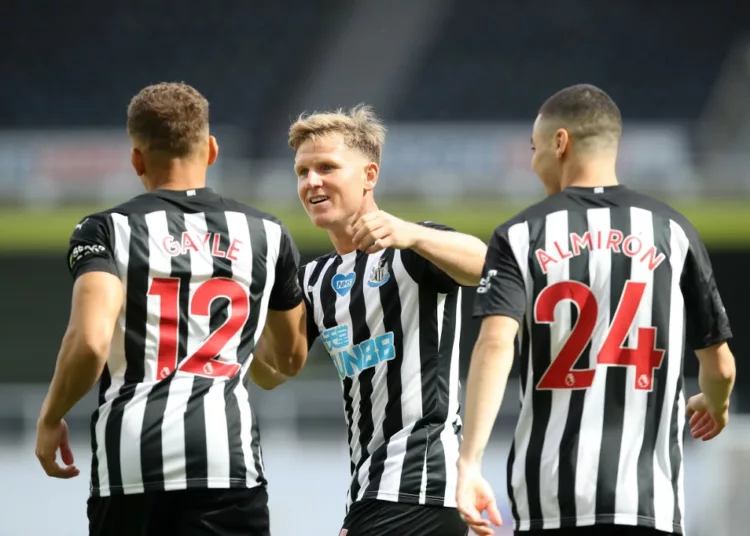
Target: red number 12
{"points": [[645, 357], [202, 360]]}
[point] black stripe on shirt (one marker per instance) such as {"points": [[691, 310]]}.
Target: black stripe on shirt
{"points": [[578, 268], [259, 245], [541, 402], [390, 300], [436, 470], [216, 222], [616, 379], [360, 333]]}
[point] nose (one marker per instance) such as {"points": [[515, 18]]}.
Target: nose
{"points": [[313, 180]]}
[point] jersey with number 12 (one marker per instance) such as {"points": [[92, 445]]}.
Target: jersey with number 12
{"points": [[199, 272]]}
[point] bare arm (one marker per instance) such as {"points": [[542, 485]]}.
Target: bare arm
{"points": [[707, 324], [459, 255], [717, 374], [97, 299], [491, 362], [263, 374], [282, 348]]}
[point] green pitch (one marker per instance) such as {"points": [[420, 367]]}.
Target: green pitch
{"points": [[723, 224]]}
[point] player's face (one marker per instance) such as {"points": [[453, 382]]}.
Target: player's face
{"points": [[332, 180], [544, 159]]}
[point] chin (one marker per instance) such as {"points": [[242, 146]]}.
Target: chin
{"points": [[324, 220]]}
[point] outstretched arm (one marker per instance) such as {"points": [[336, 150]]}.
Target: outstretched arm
{"points": [[282, 348], [459, 255]]}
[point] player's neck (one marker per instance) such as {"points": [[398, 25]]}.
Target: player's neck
{"points": [[170, 182], [590, 174], [342, 237], [178, 175]]}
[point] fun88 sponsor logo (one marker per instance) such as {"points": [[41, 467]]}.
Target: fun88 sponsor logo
{"points": [[350, 359]]}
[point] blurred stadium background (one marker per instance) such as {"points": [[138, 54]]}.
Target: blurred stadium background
{"points": [[458, 83]]}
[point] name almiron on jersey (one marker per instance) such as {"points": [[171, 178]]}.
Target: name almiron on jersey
{"points": [[613, 240]]}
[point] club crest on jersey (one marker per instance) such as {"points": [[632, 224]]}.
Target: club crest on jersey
{"points": [[379, 275], [343, 283]]}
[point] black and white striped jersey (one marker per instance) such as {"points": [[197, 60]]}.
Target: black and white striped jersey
{"points": [[606, 285], [200, 272], [391, 323]]}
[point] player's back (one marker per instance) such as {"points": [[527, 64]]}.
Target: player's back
{"points": [[199, 271], [599, 438]]}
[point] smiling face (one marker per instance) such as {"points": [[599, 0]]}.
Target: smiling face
{"points": [[333, 180]]}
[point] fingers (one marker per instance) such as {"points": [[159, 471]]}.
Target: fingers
{"points": [[702, 426], [66, 453], [473, 518], [715, 430], [697, 416], [366, 233], [53, 469], [481, 530], [379, 244], [494, 513], [372, 240]]}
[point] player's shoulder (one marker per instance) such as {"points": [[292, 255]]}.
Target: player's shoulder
{"points": [[94, 227], [532, 213], [660, 209], [317, 263], [250, 211]]}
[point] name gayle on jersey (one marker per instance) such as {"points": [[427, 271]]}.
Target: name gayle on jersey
{"points": [[351, 360], [209, 242]]}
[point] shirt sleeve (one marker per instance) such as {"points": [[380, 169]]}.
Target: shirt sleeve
{"points": [[90, 248], [286, 292], [707, 321], [501, 291], [424, 271], [312, 328]]}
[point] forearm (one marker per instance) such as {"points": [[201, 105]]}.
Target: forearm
{"points": [[263, 371], [488, 377], [77, 371], [265, 376], [716, 383], [459, 255]]}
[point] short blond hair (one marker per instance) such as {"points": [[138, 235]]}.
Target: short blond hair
{"points": [[360, 127]]}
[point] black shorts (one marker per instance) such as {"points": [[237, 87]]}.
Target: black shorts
{"points": [[596, 530], [382, 518], [195, 512]]}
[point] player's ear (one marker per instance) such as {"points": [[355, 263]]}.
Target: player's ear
{"points": [[371, 175], [213, 150], [562, 141], [138, 162]]}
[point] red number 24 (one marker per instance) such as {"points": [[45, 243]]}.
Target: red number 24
{"points": [[645, 357], [202, 360]]}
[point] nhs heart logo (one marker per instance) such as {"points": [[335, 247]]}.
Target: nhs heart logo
{"points": [[343, 283]]}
